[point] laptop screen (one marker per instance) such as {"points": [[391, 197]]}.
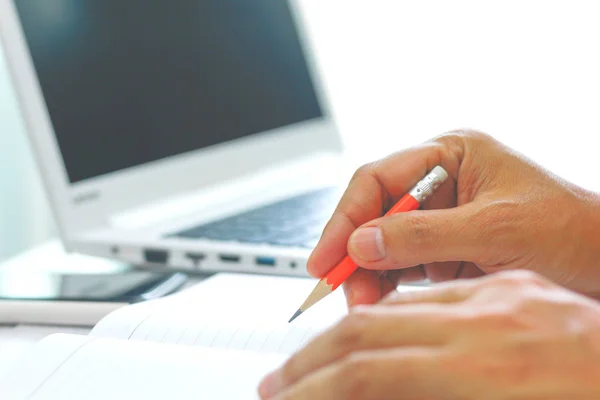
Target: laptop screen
{"points": [[130, 82]]}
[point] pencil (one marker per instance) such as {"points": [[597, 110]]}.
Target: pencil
{"points": [[338, 274]]}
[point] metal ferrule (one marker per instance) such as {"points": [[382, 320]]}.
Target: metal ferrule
{"points": [[426, 186]]}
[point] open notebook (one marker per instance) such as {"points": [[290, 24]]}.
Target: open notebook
{"points": [[213, 341]]}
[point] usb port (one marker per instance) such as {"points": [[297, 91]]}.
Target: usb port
{"points": [[156, 256], [265, 261], [230, 258]]}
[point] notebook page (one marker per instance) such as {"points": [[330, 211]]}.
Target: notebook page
{"points": [[16, 385], [95, 368], [260, 337], [228, 298], [236, 312]]}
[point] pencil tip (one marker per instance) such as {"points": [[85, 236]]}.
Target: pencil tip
{"points": [[295, 315]]}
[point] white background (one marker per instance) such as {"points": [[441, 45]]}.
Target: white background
{"points": [[527, 72], [400, 72]]}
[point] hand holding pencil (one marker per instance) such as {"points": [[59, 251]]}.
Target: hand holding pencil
{"points": [[485, 218], [342, 271]]}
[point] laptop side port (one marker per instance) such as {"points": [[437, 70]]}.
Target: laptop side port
{"points": [[265, 261], [229, 258], [195, 257], [156, 256]]}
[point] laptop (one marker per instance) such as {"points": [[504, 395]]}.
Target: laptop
{"points": [[189, 135]]}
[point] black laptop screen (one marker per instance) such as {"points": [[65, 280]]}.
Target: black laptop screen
{"points": [[129, 82]]}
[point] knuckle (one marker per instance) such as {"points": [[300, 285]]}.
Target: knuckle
{"points": [[289, 370], [475, 135], [363, 170], [448, 139], [511, 317], [458, 142], [520, 277], [462, 137], [455, 145], [348, 214], [492, 318], [465, 135], [450, 146], [351, 330]]}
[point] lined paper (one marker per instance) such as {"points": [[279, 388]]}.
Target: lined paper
{"points": [[94, 368], [230, 311], [263, 337]]}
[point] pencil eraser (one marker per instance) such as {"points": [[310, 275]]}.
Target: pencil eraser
{"points": [[440, 172]]}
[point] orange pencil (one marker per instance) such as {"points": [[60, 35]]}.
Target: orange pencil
{"points": [[338, 274]]}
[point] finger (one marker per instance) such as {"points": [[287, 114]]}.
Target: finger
{"points": [[469, 271], [442, 271], [371, 190], [387, 286], [410, 372], [362, 287], [447, 292], [412, 274], [368, 328], [368, 287], [398, 278], [419, 237]]}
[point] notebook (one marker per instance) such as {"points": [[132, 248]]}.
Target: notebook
{"points": [[213, 341]]}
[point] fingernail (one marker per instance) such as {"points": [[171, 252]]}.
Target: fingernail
{"points": [[271, 385], [367, 244]]}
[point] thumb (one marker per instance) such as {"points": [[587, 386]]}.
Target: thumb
{"points": [[418, 237]]}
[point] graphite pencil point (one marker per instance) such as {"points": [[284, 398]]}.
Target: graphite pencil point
{"points": [[295, 315]]}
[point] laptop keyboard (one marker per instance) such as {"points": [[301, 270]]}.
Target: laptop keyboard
{"points": [[297, 221]]}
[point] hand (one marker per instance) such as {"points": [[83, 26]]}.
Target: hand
{"points": [[512, 335], [497, 211]]}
